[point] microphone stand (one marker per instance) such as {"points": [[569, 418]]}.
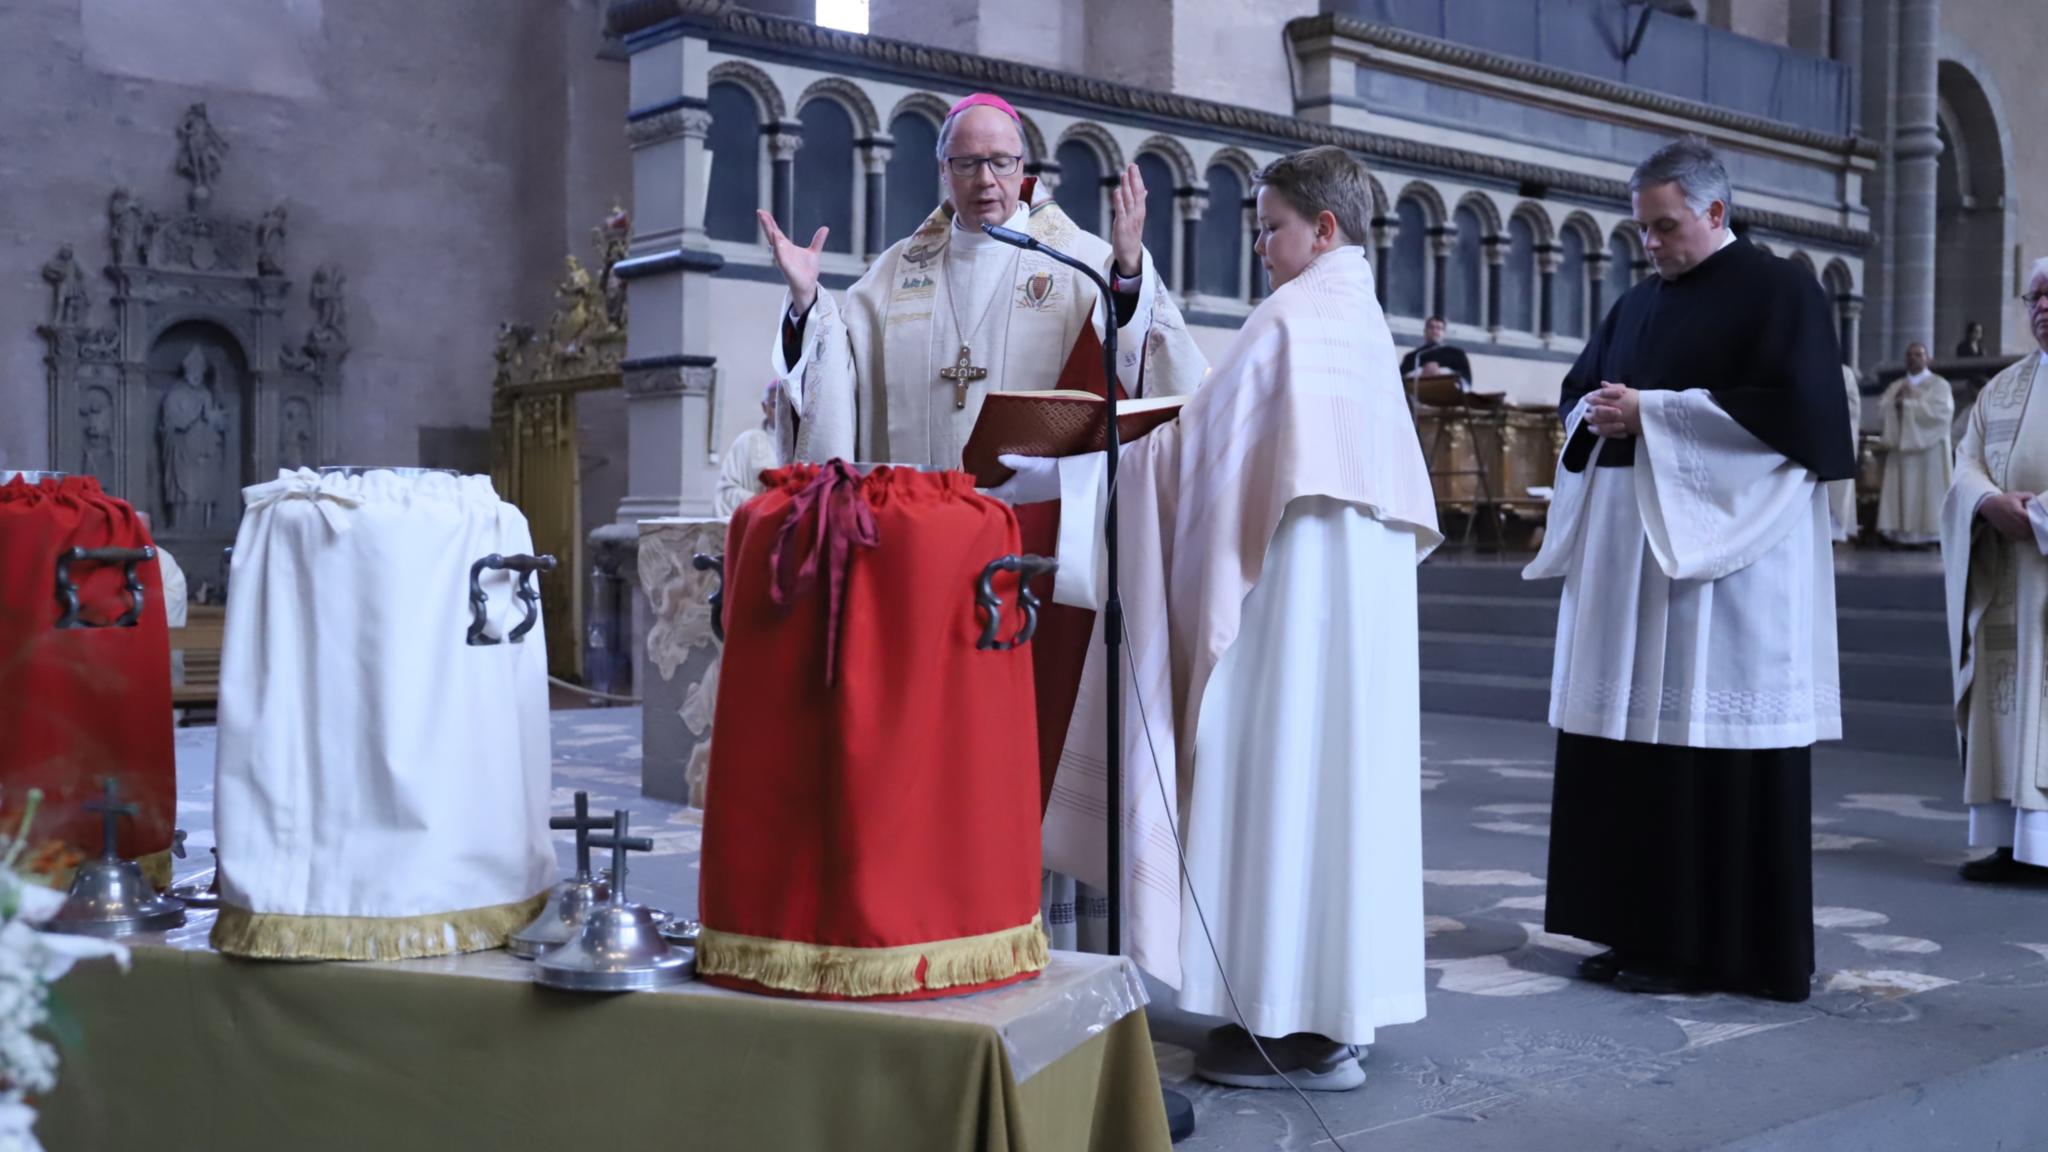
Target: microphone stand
{"points": [[1179, 1110]]}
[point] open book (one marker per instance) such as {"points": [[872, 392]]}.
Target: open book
{"points": [[1059, 422]]}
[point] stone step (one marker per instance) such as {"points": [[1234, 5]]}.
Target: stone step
{"points": [[1491, 615], [1904, 729], [1486, 694], [1882, 677], [1487, 653], [1892, 631]]}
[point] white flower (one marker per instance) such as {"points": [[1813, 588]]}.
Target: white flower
{"points": [[17, 1125], [37, 903]]}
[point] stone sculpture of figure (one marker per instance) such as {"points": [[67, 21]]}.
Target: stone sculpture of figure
{"points": [[193, 435], [68, 305], [125, 227], [96, 429], [270, 243], [199, 153], [330, 312], [295, 446]]}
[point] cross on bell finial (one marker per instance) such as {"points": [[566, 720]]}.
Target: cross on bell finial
{"points": [[111, 810], [620, 844], [583, 824]]}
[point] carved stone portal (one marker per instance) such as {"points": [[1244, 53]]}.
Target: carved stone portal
{"points": [[193, 391]]}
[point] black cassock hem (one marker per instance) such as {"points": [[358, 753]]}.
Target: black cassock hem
{"points": [[1695, 860]]}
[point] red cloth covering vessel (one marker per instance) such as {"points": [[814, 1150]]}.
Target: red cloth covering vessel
{"points": [[871, 823], [80, 704]]}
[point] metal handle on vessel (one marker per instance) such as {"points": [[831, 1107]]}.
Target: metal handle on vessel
{"points": [[1027, 568], [67, 592], [479, 600]]}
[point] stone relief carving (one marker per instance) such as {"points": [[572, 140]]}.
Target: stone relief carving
{"points": [[295, 444], [68, 301], [96, 431], [270, 242], [127, 227], [199, 155], [192, 431], [152, 403]]}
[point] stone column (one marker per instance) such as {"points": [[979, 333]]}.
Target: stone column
{"points": [[783, 141], [1496, 249], [1914, 150], [874, 159], [1193, 202], [1547, 259], [1442, 239], [1847, 36], [667, 372], [1850, 309], [1596, 291], [1385, 230]]}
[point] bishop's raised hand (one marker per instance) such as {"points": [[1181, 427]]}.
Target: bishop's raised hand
{"points": [[1127, 228], [798, 265]]}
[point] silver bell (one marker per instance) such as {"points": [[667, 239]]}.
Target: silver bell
{"points": [[571, 900], [620, 947], [109, 896]]}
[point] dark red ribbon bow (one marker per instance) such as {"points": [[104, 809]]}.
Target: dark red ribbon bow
{"points": [[843, 519]]}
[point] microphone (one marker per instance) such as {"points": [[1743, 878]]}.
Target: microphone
{"points": [[1012, 237]]}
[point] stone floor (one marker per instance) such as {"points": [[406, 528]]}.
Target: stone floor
{"points": [[1928, 1029]]}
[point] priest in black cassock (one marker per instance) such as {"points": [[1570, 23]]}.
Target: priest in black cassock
{"points": [[1695, 663], [1435, 354]]}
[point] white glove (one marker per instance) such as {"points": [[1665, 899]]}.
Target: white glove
{"points": [[1037, 480]]}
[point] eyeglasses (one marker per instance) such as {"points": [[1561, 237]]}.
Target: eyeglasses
{"points": [[966, 166], [2033, 299]]}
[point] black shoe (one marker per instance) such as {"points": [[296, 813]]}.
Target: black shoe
{"points": [[1601, 969], [1653, 982], [2001, 868]]}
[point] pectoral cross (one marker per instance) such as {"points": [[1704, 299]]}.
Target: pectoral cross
{"points": [[962, 373]]}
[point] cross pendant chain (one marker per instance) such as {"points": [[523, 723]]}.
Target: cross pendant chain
{"points": [[962, 373]]}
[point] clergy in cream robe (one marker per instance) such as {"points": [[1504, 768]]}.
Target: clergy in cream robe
{"points": [[1842, 493], [1997, 589], [897, 371], [751, 453], [881, 377], [1695, 661], [1918, 410], [1269, 539]]}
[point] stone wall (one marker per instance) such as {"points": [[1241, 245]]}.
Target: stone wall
{"points": [[445, 156], [1998, 45]]}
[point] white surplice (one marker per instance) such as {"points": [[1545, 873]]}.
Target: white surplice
{"points": [[1269, 542], [1917, 412], [1998, 616], [1699, 589]]}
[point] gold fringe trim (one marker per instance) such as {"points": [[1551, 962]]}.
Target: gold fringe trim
{"points": [[276, 936], [826, 969]]}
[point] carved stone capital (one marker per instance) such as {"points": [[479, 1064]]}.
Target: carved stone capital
{"points": [[1193, 203], [1548, 257], [784, 140], [1442, 240], [691, 122], [875, 152], [669, 376], [1851, 307]]}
